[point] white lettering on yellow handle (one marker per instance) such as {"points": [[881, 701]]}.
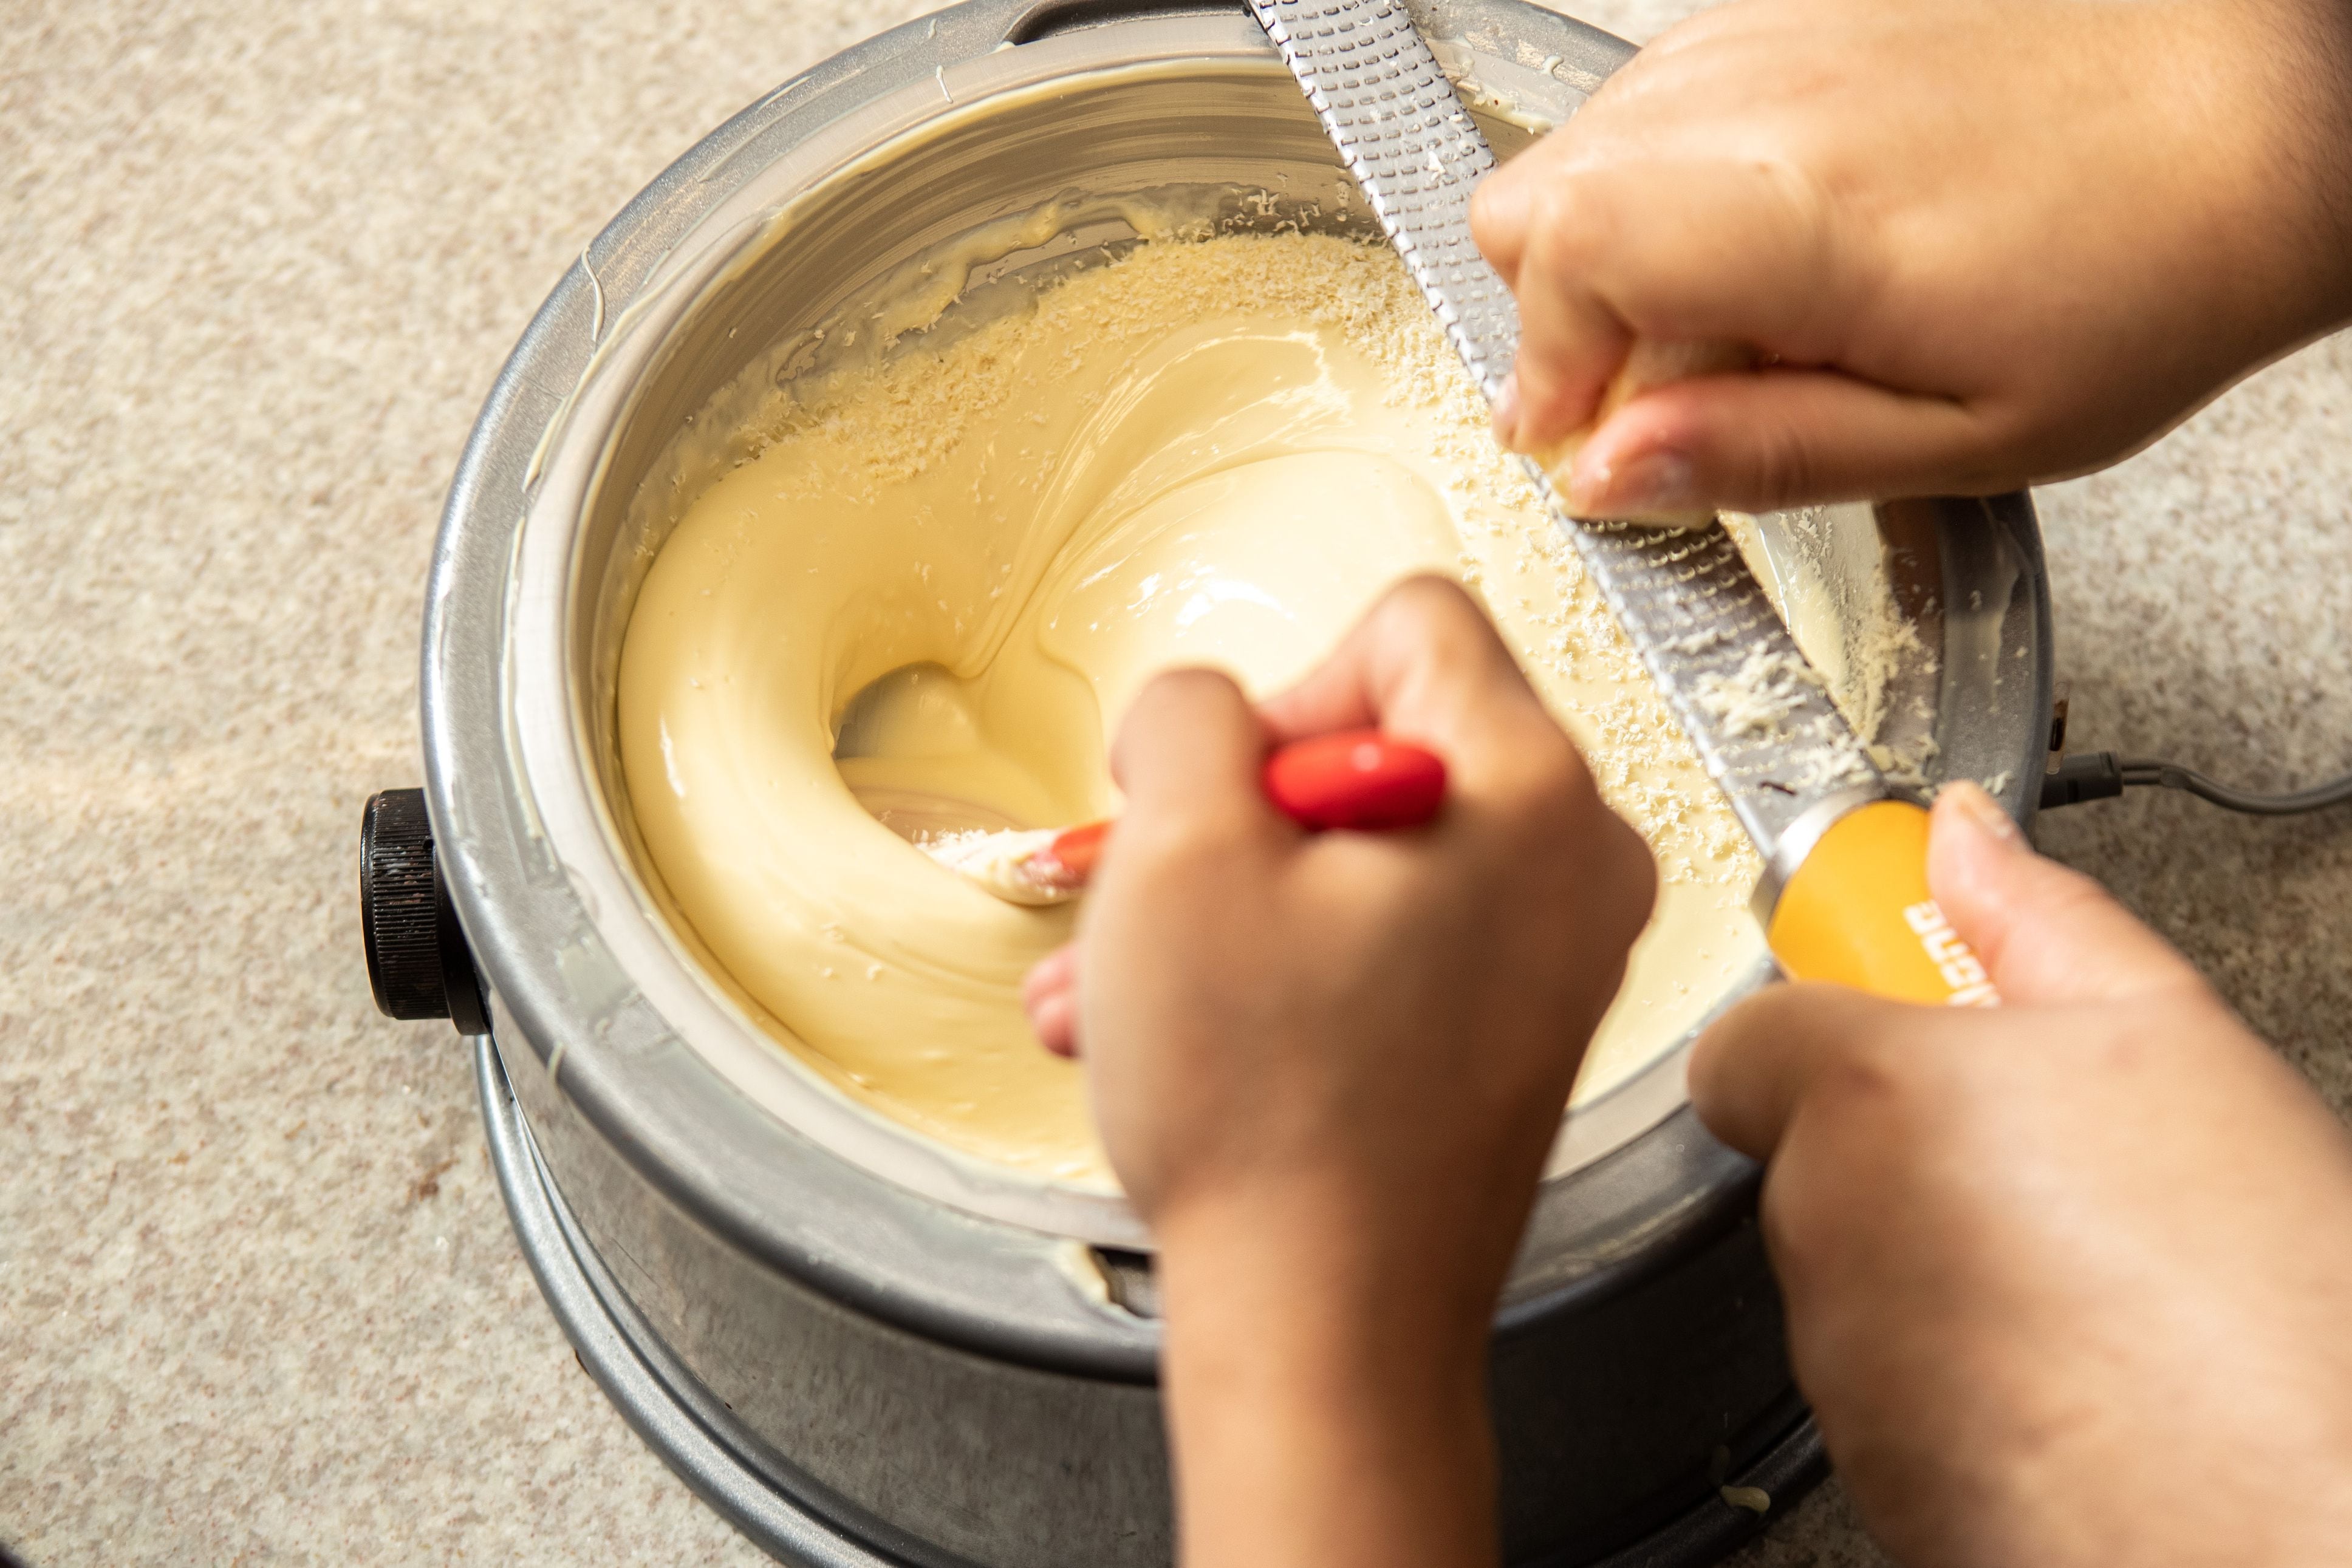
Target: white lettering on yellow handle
{"points": [[1961, 969]]}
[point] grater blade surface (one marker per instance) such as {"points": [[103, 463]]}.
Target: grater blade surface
{"points": [[1761, 716]]}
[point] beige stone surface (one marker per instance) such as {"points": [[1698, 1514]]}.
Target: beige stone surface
{"points": [[259, 1302]]}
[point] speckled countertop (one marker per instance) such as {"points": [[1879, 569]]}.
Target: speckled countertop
{"points": [[258, 265]]}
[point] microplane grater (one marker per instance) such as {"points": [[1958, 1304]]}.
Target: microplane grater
{"points": [[1759, 716]]}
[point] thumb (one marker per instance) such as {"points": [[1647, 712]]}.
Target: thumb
{"points": [[1770, 438], [1754, 1064], [1189, 742], [2047, 934]]}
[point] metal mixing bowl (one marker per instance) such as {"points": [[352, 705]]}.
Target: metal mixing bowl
{"points": [[866, 1348]]}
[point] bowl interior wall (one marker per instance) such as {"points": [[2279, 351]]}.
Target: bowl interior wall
{"points": [[835, 253]]}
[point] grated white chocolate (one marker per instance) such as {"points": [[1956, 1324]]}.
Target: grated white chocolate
{"points": [[1211, 451]]}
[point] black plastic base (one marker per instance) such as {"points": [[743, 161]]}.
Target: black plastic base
{"points": [[1794, 1465]]}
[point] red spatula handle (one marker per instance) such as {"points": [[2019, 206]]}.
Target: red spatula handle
{"points": [[1357, 779]]}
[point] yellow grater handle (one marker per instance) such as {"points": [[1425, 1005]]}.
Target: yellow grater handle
{"points": [[1857, 913]]}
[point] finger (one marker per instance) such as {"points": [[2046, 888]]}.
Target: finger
{"points": [[1755, 1064], [1772, 438], [2048, 935], [1503, 208], [1190, 742], [1672, 251], [1572, 340], [1336, 695], [1056, 971], [1054, 1020], [1698, 249], [1425, 665], [1049, 996]]}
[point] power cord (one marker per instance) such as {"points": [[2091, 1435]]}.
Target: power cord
{"points": [[2103, 775]]}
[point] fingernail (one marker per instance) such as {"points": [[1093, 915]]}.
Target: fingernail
{"points": [[1507, 413], [1982, 809], [1588, 482], [1655, 482], [1658, 482], [1053, 1021]]}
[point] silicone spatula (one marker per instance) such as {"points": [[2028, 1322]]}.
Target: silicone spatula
{"points": [[1358, 779]]}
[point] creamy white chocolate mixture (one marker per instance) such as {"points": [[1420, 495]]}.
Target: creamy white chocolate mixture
{"points": [[955, 567]]}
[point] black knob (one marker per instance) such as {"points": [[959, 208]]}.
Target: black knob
{"points": [[417, 959]]}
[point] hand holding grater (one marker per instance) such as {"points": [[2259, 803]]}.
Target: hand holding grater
{"points": [[1845, 890]]}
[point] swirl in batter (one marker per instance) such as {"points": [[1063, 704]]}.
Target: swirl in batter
{"points": [[926, 600]]}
